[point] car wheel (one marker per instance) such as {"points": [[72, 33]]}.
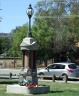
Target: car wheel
{"points": [[41, 75], [65, 77]]}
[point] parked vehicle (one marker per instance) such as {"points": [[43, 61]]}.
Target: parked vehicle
{"points": [[60, 69]]}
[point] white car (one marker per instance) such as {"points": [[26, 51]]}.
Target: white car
{"points": [[60, 69]]}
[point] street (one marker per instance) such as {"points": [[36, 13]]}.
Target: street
{"points": [[5, 73]]}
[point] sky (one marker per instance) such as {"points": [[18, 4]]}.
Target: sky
{"points": [[13, 13]]}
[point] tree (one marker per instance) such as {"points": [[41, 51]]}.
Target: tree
{"points": [[54, 13], [18, 35], [0, 46], [43, 35], [5, 45], [43, 31]]}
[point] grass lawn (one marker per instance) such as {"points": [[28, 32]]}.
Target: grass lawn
{"points": [[56, 88]]}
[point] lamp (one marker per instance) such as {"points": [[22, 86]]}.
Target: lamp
{"points": [[30, 12]]}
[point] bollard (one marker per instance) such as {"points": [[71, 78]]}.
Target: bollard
{"points": [[10, 75], [65, 78], [53, 78]]}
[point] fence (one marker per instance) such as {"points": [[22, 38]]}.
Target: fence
{"points": [[8, 75], [65, 78]]}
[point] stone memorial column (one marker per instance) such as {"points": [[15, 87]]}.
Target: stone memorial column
{"points": [[29, 47]]}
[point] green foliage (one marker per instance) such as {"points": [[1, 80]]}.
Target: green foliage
{"points": [[44, 36], [0, 46], [5, 44], [19, 34], [64, 30]]}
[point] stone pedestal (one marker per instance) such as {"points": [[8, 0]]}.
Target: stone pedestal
{"points": [[17, 89]]}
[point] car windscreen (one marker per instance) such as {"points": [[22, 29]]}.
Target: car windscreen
{"points": [[72, 66]]}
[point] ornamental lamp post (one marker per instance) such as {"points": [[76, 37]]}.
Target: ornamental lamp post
{"points": [[29, 12], [29, 47], [28, 80]]}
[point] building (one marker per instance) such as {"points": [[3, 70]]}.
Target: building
{"points": [[3, 35], [9, 35]]}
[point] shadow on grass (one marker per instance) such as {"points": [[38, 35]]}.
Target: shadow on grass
{"points": [[49, 93], [8, 81], [56, 91]]}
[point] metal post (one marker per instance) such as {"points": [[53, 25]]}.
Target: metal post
{"points": [[29, 29], [65, 78], [53, 78]]}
